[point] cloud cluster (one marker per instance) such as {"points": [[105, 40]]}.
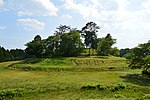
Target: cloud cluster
{"points": [[122, 18], [31, 24], [33, 7], [1, 2], [30, 8]]}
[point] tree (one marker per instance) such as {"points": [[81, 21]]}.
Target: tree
{"points": [[18, 54], [105, 45], [51, 45], [62, 29], [140, 57], [114, 51], [70, 44], [5, 55], [35, 47], [124, 52], [88, 32]]}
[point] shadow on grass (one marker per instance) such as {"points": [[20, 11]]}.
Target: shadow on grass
{"points": [[137, 79]]}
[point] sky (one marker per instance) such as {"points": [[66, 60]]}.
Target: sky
{"points": [[128, 21]]}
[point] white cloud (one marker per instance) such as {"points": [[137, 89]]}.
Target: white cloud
{"points": [[66, 17], [1, 2], [146, 6], [127, 20], [32, 7], [29, 24]]}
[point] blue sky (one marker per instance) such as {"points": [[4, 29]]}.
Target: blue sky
{"points": [[126, 20]]}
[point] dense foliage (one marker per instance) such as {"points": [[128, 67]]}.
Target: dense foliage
{"points": [[125, 53], [35, 47], [67, 42], [13, 54], [105, 46], [89, 34], [140, 57]]}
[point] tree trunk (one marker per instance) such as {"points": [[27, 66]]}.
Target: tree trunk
{"points": [[89, 52]]}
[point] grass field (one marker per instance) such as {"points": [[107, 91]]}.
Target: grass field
{"points": [[106, 78]]}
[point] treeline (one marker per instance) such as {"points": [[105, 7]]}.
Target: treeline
{"points": [[68, 41], [13, 54]]}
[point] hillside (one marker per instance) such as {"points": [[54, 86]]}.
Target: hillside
{"points": [[72, 64], [74, 78]]}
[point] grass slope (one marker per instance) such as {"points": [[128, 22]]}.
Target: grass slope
{"points": [[72, 85], [72, 64]]}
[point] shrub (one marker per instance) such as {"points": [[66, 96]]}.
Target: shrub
{"points": [[90, 86], [10, 93], [32, 60], [147, 96], [100, 87], [118, 87]]}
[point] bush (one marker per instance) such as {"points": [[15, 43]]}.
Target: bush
{"points": [[32, 60], [90, 86], [10, 93], [118, 87], [147, 96], [100, 87]]}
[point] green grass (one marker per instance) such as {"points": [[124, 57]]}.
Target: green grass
{"points": [[72, 64], [50, 84]]}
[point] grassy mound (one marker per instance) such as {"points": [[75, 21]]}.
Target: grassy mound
{"points": [[72, 64], [79, 81]]}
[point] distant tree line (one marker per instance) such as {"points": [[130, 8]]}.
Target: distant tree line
{"points": [[68, 41], [13, 54]]}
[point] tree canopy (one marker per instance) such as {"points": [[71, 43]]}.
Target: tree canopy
{"points": [[88, 32], [67, 42], [140, 56], [105, 46], [35, 47]]}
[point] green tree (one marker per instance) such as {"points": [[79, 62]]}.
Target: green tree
{"points": [[5, 55], [88, 32], [105, 45], [35, 47], [125, 52], [18, 54], [70, 44], [51, 45], [62, 29], [140, 57], [114, 51]]}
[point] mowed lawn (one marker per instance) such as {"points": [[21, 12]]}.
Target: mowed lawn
{"points": [[121, 84]]}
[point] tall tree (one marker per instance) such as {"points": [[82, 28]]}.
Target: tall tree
{"points": [[62, 29], [88, 32], [35, 47], [51, 45], [70, 44], [105, 45]]}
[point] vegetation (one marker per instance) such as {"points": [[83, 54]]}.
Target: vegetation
{"points": [[13, 54], [72, 64], [83, 83], [89, 34], [140, 57], [63, 67], [105, 46], [67, 42]]}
